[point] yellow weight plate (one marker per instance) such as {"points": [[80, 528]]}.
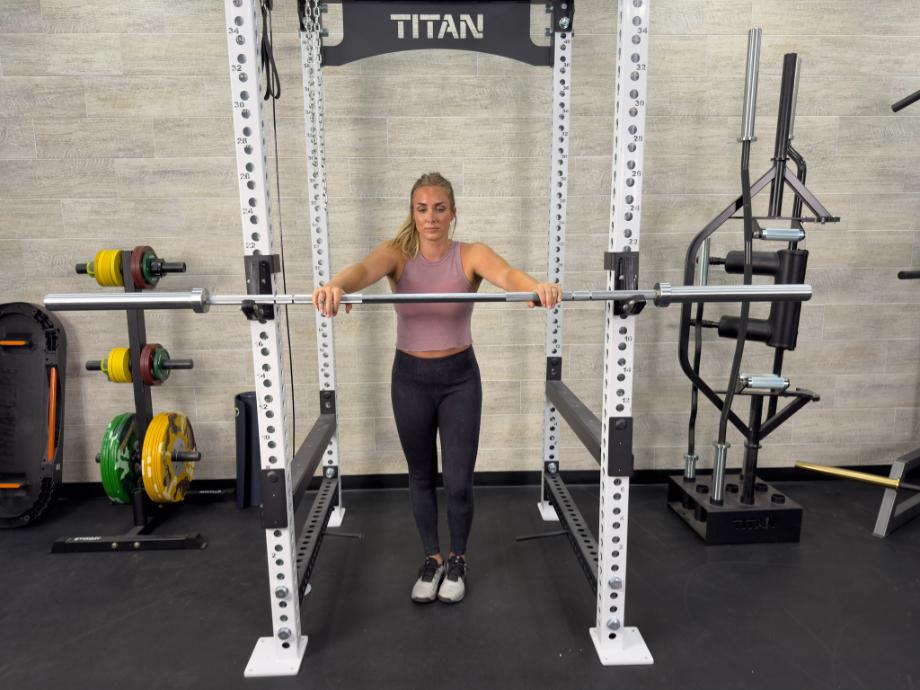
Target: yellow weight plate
{"points": [[100, 267], [115, 268], [107, 268], [166, 481], [118, 365]]}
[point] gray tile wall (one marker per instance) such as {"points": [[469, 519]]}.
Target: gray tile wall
{"points": [[115, 130]]}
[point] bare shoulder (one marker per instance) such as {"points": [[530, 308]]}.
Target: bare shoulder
{"points": [[476, 250], [470, 257], [386, 251], [468, 248], [388, 258]]}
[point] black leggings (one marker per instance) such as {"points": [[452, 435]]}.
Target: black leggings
{"points": [[431, 396]]}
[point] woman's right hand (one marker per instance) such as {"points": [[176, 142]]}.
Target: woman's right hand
{"points": [[327, 298]]}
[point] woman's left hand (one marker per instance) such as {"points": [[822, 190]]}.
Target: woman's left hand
{"points": [[550, 295]]}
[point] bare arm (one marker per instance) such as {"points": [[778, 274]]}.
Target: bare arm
{"points": [[489, 265], [382, 261]]}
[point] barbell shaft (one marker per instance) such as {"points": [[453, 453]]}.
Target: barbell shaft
{"points": [[201, 300], [864, 477]]}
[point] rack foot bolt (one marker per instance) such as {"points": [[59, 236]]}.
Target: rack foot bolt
{"points": [[265, 660], [627, 649], [547, 512]]}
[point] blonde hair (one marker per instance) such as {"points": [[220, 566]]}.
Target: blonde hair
{"points": [[406, 239]]}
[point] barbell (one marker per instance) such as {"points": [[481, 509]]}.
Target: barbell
{"points": [[201, 300]]}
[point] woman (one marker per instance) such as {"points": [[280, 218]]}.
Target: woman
{"points": [[436, 386]]}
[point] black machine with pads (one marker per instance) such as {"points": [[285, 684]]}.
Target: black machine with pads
{"points": [[33, 358]]}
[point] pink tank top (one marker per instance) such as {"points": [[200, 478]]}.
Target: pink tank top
{"points": [[434, 326]]}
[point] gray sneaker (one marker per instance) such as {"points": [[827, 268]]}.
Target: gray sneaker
{"points": [[425, 589], [453, 588]]}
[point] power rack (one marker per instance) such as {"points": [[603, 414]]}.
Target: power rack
{"points": [[372, 27]]}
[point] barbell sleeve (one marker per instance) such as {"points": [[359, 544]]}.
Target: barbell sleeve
{"points": [[750, 85], [682, 294], [780, 234], [198, 300]]}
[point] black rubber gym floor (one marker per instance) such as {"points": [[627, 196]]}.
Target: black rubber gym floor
{"points": [[840, 609]]}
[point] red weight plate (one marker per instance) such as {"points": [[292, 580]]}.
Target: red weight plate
{"points": [[137, 266], [147, 364]]}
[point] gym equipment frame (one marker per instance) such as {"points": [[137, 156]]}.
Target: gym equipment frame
{"points": [[500, 28], [895, 510], [147, 515], [748, 510], [285, 475]]}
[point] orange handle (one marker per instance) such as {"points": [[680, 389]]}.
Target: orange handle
{"points": [[13, 343], [11, 486], [52, 413]]}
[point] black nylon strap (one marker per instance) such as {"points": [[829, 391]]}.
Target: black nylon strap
{"points": [[272, 80]]}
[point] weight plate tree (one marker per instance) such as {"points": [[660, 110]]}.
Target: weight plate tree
{"points": [[141, 463]]}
